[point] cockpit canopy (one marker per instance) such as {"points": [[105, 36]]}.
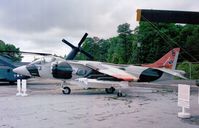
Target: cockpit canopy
{"points": [[43, 60]]}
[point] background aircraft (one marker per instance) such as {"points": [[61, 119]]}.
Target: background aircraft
{"points": [[105, 75], [6, 69], [7, 65]]}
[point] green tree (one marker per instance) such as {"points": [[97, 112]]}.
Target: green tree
{"points": [[104, 46], [15, 56], [91, 46], [190, 43], [191, 69], [121, 46], [155, 38], [124, 29]]}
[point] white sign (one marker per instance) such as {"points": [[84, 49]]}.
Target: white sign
{"points": [[198, 95], [184, 95]]}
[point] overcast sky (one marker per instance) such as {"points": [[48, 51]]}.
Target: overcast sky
{"points": [[40, 25]]}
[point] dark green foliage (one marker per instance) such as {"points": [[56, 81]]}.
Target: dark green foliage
{"points": [[190, 42], [124, 29], [92, 46], [156, 40], [15, 56], [191, 69]]}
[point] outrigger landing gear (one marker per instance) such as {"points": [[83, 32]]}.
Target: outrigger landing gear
{"points": [[65, 89], [110, 90], [119, 94]]}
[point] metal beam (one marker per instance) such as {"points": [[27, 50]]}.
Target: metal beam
{"points": [[168, 16]]}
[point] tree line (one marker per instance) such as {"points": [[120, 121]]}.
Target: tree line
{"points": [[145, 44], [5, 51]]}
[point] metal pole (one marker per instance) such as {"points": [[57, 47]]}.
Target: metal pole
{"points": [[189, 63], [189, 70]]}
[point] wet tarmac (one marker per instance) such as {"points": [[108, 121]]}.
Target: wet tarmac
{"points": [[143, 106]]}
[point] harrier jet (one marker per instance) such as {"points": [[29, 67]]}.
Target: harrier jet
{"points": [[94, 74]]}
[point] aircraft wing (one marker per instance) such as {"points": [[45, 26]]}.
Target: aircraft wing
{"points": [[172, 72], [111, 71]]}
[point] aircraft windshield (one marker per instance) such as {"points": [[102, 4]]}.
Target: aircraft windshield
{"points": [[44, 60], [38, 61], [49, 59]]}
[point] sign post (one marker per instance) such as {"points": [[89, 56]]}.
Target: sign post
{"points": [[18, 87], [21, 87], [184, 100], [24, 88], [197, 84], [198, 95]]}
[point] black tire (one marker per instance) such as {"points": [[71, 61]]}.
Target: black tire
{"points": [[119, 94], [110, 90], [66, 90]]}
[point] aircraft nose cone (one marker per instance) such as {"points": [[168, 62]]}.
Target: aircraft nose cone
{"points": [[22, 70]]}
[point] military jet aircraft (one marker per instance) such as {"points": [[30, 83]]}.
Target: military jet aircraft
{"points": [[7, 65], [94, 74]]}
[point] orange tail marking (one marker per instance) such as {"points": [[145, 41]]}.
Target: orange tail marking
{"points": [[166, 61]]}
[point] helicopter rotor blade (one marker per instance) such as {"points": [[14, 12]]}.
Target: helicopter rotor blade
{"points": [[68, 43], [87, 54], [36, 53], [82, 40]]}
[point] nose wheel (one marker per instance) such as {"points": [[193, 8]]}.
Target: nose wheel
{"points": [[66, 90]]}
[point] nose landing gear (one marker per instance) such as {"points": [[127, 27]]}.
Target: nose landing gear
{"points": [[65, 89], [119, 94]]}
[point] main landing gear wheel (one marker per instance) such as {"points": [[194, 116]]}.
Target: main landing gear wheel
{"points": [[66, 90], [110, 90]]}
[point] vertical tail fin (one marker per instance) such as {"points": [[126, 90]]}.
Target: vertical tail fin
{"points": [[169, 60]]}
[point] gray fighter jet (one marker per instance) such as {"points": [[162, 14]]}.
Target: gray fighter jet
{"points": [[94, 74]]}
